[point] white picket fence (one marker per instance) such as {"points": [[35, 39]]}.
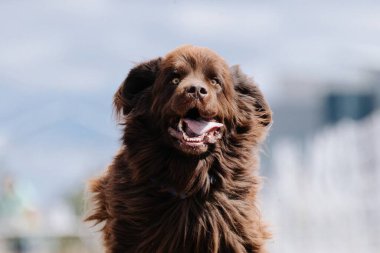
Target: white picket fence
{"points": [[324, 194]]}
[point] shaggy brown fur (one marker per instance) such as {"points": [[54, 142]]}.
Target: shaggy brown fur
{"points": [[163, 194]]}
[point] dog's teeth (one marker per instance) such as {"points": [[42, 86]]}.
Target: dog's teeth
{"points": [[193, 139]]}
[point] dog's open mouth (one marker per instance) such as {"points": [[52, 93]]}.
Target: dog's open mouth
{"points": [[194, 131]]}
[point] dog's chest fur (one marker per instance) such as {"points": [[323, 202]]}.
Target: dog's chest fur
{"points": [[156, 218]]}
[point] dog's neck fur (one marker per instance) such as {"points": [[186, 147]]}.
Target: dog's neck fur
{"points": [[185, 175], [207, 206], [165, 188]]}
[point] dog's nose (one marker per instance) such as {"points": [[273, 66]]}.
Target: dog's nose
{"points": [[197, 91]]}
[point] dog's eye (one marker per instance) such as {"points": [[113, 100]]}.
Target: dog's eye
{"points": [[175, 80], [215, 81]]}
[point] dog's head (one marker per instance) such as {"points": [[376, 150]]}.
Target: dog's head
{"points": [[193, 101]]}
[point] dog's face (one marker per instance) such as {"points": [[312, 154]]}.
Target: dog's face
{"points": [[196, 97], [193, 97]]}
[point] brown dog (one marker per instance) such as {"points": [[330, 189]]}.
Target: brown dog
{"points": [[185, 177]]}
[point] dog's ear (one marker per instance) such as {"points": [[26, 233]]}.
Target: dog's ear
{"points": [[250, 97], [139, 78]]}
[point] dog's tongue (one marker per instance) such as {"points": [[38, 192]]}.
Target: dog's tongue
{"points": [[200, 127]]}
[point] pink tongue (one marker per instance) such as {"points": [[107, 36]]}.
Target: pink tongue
{"points": [[200, 127]]}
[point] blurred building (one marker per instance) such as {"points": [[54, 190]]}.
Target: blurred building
{"points": [[308, 105]]}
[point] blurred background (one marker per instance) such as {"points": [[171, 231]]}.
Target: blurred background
{"points": [[318, 63]]}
